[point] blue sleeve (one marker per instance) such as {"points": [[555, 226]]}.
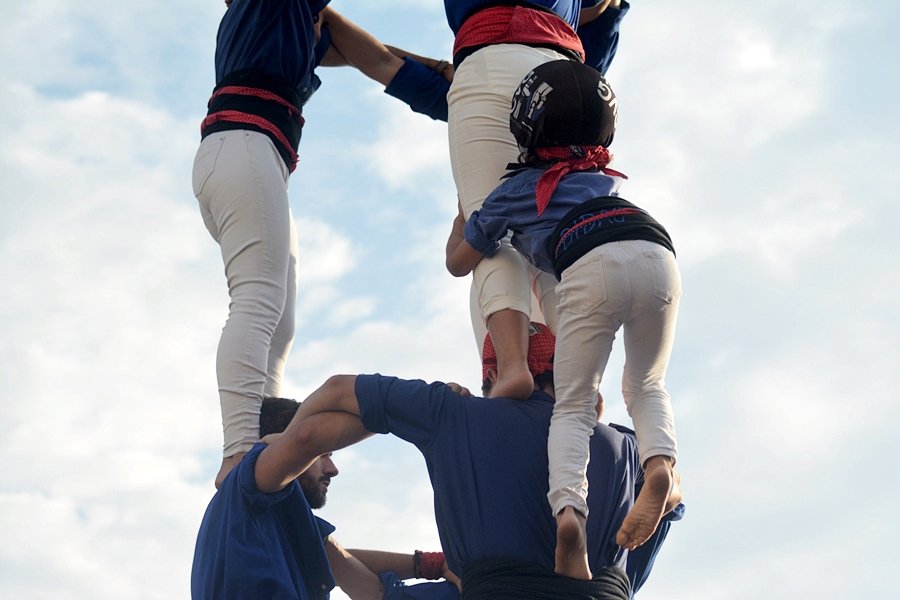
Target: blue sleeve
{"points": [[411, 410], [600, 37], [245, 474], [395, 589], [486, 227], [423, 89]]}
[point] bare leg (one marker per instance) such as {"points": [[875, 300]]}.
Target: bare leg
{"points": [[571, 545], [509, 333], [650, 506]]}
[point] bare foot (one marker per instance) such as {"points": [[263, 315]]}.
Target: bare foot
{"points": [[515, 382], [571, 545], [651, 504], [228, 463]]}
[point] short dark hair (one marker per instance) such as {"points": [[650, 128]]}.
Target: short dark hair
{"points": [[276, 414]]}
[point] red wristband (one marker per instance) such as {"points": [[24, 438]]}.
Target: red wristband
{"points": [[431, 565]]}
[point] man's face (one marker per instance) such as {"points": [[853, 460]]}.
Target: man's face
{"points": [[314, 482]]}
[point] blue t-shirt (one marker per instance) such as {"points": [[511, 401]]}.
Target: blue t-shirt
{"points": [[275, 37], [487, 460], [512, 207], [459, 10], [256, 545], [600, 37], [395, 589]]}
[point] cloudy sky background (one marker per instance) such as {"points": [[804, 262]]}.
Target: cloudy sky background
{"points": [[763, 135]]}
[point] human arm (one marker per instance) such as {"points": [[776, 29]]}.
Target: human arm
{"points": [[420, 82], [445, 68], [589, 13], [462, 258], [327, 420], [357, 580], [406, 566], [599, 32], [358, 48]]}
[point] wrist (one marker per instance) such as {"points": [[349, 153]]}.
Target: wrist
{"points": [[428, 565]]}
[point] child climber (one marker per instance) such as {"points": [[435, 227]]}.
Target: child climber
{"points": [[616, 268]]}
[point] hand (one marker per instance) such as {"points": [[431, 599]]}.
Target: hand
{"points": [[451, 576], [462, 391]]}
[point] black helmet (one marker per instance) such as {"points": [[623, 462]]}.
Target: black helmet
{"points": [[563, 103]]}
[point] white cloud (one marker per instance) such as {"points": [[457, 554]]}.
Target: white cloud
{"points": [[781, 204]]}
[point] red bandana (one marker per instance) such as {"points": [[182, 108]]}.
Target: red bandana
{"points": [[568, 159]]}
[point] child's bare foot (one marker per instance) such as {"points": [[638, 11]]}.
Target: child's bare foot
{"points": [[228, 463], [515, 382], [650, 506], [571, 545]]}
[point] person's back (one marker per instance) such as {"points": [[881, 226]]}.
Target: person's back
{"points": [[487, 459]]}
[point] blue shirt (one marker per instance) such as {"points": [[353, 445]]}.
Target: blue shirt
{"points": [[256, 545], [600, 37], [275, 37], [487, 460], [459, 10], [395, 589], [511, 207]]}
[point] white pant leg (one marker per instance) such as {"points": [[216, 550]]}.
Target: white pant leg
{"points": [[649, 334], [592, 306], [283, 338], [634, 285], [240, 181], [481, 146]]}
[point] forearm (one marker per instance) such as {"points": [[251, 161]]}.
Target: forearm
{"points": [[360, 49], [461, 257], [589, 14], [327, 420], [357, 580], [380, 562], [443, 67]]}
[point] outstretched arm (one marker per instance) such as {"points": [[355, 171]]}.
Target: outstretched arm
{"points": [[462, 258], [357, 580], [589, 14], [327, 420], [358, 48]]}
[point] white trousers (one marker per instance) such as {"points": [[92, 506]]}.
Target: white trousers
{"points": [[240, 181], [481, 146], [634, 285]]}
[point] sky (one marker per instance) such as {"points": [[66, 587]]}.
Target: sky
{"points": [[763, 135]]}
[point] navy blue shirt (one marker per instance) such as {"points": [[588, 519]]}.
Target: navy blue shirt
{"points": [[512, 206], [395, 589], [276, 37], [487, 460], [256, 545], [458, 10], [600, 37]]}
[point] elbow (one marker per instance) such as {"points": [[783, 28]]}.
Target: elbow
{"points": [[456, 269]]}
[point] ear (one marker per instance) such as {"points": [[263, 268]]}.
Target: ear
{"points": [[490, 375]]}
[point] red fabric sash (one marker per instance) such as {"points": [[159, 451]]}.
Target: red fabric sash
{"points": [[516, 25], [236, 116]]}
